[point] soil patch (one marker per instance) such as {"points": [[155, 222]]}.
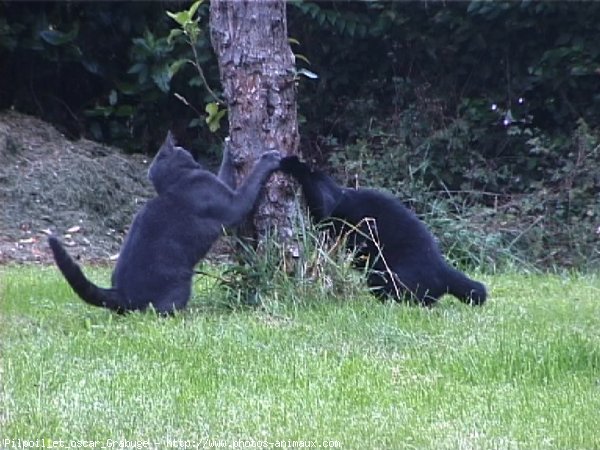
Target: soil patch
{"points": [[85, 192]]}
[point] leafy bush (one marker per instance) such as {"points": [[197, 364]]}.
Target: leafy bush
{"points": [[485, 111], [320, 269], [118, 88], [546, 218]]}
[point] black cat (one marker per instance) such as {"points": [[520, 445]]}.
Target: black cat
{"points": [[172, 232], [402, 255]]}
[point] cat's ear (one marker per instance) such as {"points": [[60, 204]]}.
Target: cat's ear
{"points": [[169, 143]]}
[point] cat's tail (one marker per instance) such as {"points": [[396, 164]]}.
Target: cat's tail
{"points": [[88, 291], [465, 289]]}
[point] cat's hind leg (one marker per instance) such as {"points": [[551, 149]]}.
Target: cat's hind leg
{"points": [[173, 299]]}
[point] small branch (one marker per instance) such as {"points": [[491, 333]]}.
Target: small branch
{"points": [[183, 100], [202, 77]]}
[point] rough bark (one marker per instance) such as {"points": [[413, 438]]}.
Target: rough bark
{"points": [[257, 74]]}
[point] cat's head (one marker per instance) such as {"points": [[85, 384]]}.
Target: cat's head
{"points": [[170, 164]]}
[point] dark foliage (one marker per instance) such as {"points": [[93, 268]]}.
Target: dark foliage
{"points": [[452, 104], [106, 70], [463, 104]]}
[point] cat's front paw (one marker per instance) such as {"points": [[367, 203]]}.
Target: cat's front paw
{"points": [[290, 164], [271, 158]]}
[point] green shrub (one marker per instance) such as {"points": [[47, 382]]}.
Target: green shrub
{"points": [[540, 210], [320, 269]]}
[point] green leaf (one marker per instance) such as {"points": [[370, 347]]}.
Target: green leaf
{"points": [[175, 66], [351, 28], [321, 18], [99, 111], [195, 123], [213, 125], [307, 73], [211, 109], [182, 17], [301, 57], [175, 33], [112, 97], [55, 37], [194, 8], [362, 30], [473, 7], [213, 120], [161, 78], [195, 82], [124, 111], [137, 68], [313, 10], [332, 17], [141, 42], [91, 66], [127, 88]]}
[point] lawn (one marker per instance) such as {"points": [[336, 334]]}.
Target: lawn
{"points": [[522, 372]]}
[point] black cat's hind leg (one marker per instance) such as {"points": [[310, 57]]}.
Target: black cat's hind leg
{"points": [[402, 285], [464, 288]]}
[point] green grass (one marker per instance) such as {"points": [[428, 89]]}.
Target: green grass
{"points": [[523, 372]]}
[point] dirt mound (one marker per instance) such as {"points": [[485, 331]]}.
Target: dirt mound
{"points": [[84, 192]]}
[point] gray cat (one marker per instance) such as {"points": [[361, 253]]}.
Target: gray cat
{"points": [[172, 232]]}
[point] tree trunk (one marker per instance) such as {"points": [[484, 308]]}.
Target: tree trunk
{"points": [[256, 65]]}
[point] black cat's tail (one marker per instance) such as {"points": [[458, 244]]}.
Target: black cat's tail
{"points": [[465, 289], [88, 291]]}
